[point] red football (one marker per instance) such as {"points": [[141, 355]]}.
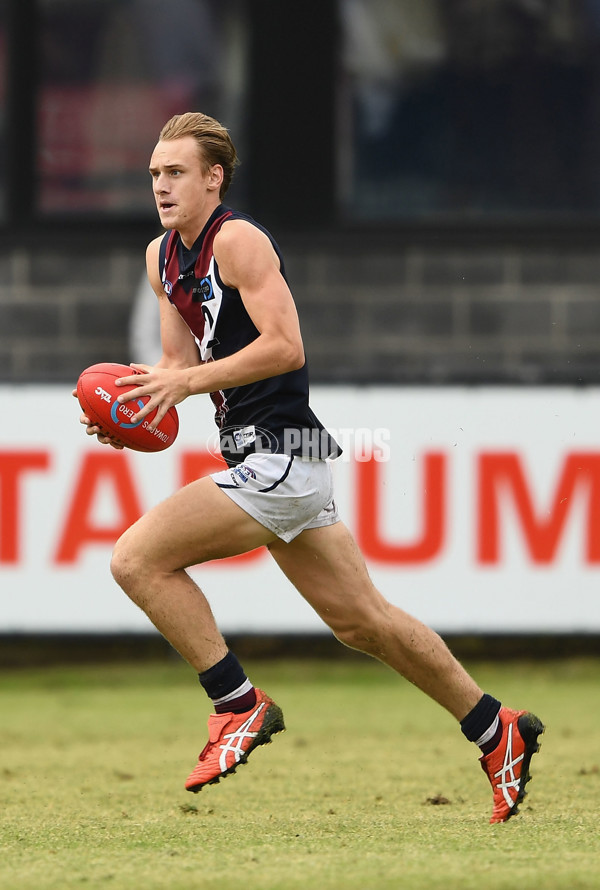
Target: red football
{"points": [[97, 394]]}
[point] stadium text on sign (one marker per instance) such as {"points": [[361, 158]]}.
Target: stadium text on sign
{"points": [[485, 516], [504, 494]]}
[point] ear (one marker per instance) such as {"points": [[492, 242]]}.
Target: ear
{"points": [[215, 177]]}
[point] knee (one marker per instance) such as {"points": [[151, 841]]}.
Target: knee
{"points": [[363, 630], [357, 636], [127, 564]]}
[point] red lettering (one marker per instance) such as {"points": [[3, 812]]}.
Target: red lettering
{"points": [[98, 472], [430, 542], [194, 465], [13, 466], [503, 473]]}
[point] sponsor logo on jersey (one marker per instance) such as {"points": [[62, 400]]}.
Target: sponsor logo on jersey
{"points": [[244, 437], [235, 439], [203, 291], [168, 287]]}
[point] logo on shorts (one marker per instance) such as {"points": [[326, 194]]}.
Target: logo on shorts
{"points": [[242, 473]]}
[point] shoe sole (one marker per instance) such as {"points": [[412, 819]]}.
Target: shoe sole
{"points": [[272, 724], [530, 728]]}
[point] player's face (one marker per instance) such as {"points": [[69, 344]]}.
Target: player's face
{"points": [[183, 191]]}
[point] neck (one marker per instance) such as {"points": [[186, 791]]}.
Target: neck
{"points": [[190, 234]]}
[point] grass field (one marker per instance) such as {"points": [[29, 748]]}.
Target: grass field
{"points": [[372, 786]]}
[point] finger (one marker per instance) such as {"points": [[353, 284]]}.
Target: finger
{"points": [[129, 396], [143, 412], [93, 430], [160, 413], [106, 440], [131, 380]]}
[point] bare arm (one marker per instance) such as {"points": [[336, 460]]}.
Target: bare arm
{"points": [[178, 345], [179, 349], [247, 262]]}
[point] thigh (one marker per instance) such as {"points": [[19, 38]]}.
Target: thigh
{"points": [[194, 525], [328, 569], [285, 494]]}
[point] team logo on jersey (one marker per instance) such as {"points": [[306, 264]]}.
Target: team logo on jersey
{"points": [[203, 290], [168, 287]]}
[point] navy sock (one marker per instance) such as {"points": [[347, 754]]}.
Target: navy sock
{"points": [[482, 726], [228, 686]]}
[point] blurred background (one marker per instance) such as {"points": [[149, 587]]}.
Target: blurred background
{"points": [[438, 159], [430, 170]]}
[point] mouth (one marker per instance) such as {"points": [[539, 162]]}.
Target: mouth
{"points": [[165, 206]]}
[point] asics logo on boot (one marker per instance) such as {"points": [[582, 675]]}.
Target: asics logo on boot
{"points": [[508, 779], [235, 740]]}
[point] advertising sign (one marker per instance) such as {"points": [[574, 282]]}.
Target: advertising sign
{"points": [[477, 510]]}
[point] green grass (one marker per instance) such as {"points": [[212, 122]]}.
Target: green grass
{"points": [[93, 762]]}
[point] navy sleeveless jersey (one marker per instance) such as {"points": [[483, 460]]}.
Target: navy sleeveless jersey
{"points": [[271, 415]]}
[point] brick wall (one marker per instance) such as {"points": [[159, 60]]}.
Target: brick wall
{"points": [[368, 312], [449, 315], [54, 324]]}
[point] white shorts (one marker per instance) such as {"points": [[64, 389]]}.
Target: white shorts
{"points": [[285, 494]]}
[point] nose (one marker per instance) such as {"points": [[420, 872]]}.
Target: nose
{"points": [[160, 183]]}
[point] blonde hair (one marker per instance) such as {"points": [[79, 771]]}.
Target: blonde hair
{"points": [[213, 140]]}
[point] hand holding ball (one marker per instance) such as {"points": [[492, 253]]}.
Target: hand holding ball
{"points": [[98, 393]]}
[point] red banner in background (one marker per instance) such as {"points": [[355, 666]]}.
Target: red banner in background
{"points": [[481, 513]]}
